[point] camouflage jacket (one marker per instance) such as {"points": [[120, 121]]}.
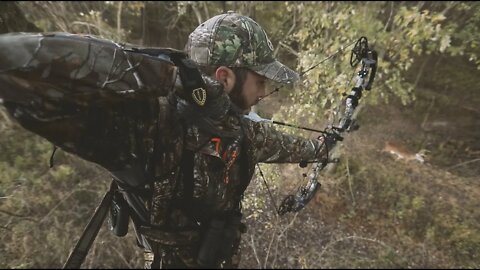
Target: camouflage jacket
{"points": [[141, 139], [223, 167], [141, 142]]}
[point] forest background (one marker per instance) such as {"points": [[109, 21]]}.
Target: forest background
{"points": [[372, 211]]}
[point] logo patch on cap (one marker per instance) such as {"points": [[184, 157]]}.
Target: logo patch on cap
{"points": [[199, 95]]}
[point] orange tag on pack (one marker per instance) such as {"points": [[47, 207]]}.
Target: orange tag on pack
{"points": [[229, 159], [229, 156]]}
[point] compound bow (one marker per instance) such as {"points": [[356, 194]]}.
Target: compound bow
{"points": [[332, 134]]}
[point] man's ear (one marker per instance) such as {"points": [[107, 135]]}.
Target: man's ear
{"points": [[226, 76]]}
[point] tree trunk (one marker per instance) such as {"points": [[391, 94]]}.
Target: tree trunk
{"points": [[12, 19]]}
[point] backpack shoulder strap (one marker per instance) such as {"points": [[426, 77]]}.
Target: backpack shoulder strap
{"points": [[194, 87], [189, 73]]}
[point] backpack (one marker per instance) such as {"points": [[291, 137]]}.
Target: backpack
{"points": [[194, 92]]}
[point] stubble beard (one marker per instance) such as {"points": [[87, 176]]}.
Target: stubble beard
{"points": [[237, 98]]}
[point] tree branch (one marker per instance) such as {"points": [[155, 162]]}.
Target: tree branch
{"points": [[294, 25], [119, 19], [197, 13]]}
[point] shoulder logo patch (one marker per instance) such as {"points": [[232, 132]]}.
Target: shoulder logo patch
{"points": [[199, 95]]}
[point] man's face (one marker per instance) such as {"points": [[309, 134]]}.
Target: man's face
{"points": [[250, 93]]}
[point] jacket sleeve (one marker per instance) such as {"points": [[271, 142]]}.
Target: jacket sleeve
{"points": [[272, 146], [114, 138], [86, 95]]}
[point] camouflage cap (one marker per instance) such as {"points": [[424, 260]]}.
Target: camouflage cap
{"points": [[234, 40]]}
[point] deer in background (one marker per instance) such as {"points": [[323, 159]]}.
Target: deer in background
{"points": [[401, 152]]}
